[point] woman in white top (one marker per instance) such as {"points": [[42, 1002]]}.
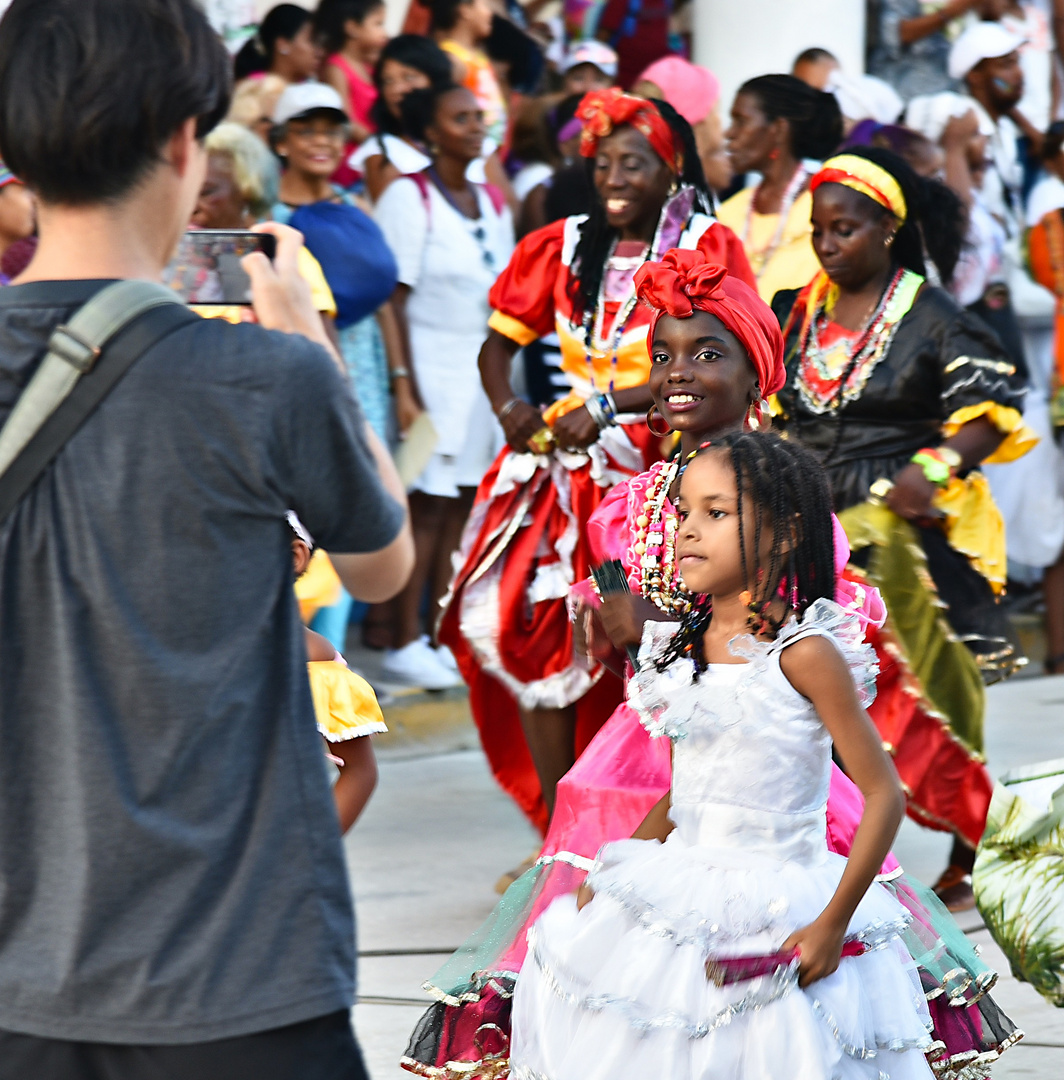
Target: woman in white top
{"points": [[451, 238]]}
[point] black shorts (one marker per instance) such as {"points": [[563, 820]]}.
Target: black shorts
{"points": [[319, 1049]]}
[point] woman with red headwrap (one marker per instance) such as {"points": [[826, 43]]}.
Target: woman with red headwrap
{"points": [[506, 619]]}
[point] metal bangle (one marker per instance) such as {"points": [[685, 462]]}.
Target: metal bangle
{"points": [[507, 409], [611, 406], [399, 373], [597, 413]]}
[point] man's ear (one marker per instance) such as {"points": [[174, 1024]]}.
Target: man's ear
{"points": [[300, 556], [180, 149]]}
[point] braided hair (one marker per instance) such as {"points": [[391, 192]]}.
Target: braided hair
{"points": [[785, 488], [596, 236]]}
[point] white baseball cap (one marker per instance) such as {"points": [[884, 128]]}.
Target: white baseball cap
{"points": [[300, 99], [981, 41], [591, 52]]}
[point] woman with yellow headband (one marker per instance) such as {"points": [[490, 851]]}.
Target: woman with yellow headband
{"points": [[902, 394]]}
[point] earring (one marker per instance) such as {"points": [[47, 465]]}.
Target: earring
{"points": [[889, 240], [650, 423], [755, 413], [675, 186]]}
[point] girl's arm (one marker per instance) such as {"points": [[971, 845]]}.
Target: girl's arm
{"points": [[358, 778], [656, 826], [816, 669], [379, 173], [318, 646]]}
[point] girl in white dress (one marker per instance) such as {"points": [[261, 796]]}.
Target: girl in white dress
{"points": [[724, 941]]}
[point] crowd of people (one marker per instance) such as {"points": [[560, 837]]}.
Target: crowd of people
{"points": [[694, 402]]}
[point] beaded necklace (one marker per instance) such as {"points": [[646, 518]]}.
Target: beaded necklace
{"points": [[760, 259], [594, 323], [825, 383], [672, 221], [475, 225], [655, 545]]}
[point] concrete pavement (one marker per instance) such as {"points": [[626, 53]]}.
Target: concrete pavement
{"points": [[438, 833]]}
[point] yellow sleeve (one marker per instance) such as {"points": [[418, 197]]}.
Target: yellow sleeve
{"points": [[1019, 438], [312, 274]]}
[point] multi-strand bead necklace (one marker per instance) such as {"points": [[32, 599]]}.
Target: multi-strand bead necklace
{"points": [[655, 546]]}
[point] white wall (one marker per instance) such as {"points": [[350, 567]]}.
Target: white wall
{"points": [[738, 39]]}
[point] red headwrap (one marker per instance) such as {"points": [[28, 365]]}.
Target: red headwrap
{"points": [[602, 111], [683, 281]]}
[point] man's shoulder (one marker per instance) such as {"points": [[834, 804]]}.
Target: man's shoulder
{"points": [[216, 348]]}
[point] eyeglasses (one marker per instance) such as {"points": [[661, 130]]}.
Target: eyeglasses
{"points": [[317, 131]]}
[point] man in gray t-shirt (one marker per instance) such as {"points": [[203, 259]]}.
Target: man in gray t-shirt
{"points": [[171, 874]]}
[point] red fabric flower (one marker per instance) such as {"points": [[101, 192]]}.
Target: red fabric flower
{"points": [[684, 281], [603, 111]]}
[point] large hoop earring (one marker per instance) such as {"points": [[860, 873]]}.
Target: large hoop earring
{"points": [[755, 414], [650, 423]]}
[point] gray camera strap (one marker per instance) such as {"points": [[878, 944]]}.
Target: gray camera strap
{"points": [[86, 358]]}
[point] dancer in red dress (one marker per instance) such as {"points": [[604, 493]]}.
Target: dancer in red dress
{"points": [[525, 544]]}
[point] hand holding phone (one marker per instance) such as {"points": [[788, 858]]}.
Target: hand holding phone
{"points": [[208, 267]]}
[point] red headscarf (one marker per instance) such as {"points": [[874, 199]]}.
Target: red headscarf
{"points": [[602, 111], [683, 281]]}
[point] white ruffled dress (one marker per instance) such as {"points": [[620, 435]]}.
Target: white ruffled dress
{"points": [[619, 989]]}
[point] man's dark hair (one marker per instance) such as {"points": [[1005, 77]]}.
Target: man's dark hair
{"points": [[91, 90], [813, 56]]}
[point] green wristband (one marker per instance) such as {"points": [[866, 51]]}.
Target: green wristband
{"points": [[936, 470]]}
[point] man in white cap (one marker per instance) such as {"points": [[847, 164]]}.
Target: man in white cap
{"points": [[300, 101], [986, 59], [589, 65]]}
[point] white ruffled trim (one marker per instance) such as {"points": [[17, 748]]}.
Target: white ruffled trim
{"points": [[663, 711], [765, 990]]}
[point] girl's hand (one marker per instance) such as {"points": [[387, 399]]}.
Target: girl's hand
{"points": [[912, 494], [819, 947], [520, 424], [623, 616], [589, 638], [407, 407], [575, 430], [584, 895]]}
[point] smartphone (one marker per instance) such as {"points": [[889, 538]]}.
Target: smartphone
{"points": [[206, 270]]}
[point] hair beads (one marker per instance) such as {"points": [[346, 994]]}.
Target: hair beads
{"points": [[782, 487]]}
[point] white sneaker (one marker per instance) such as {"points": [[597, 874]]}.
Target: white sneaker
{"points": [[443, 654], [416, 664]]}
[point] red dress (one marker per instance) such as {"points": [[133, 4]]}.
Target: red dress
{"points": [[525, 545]]}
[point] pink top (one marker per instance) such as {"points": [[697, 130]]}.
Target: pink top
{"points": [[363, 94]]}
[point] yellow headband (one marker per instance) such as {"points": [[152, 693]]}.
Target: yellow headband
{"points": [[864, 176]]}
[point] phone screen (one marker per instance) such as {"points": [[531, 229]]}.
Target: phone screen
{"points": [[206, 269]]}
